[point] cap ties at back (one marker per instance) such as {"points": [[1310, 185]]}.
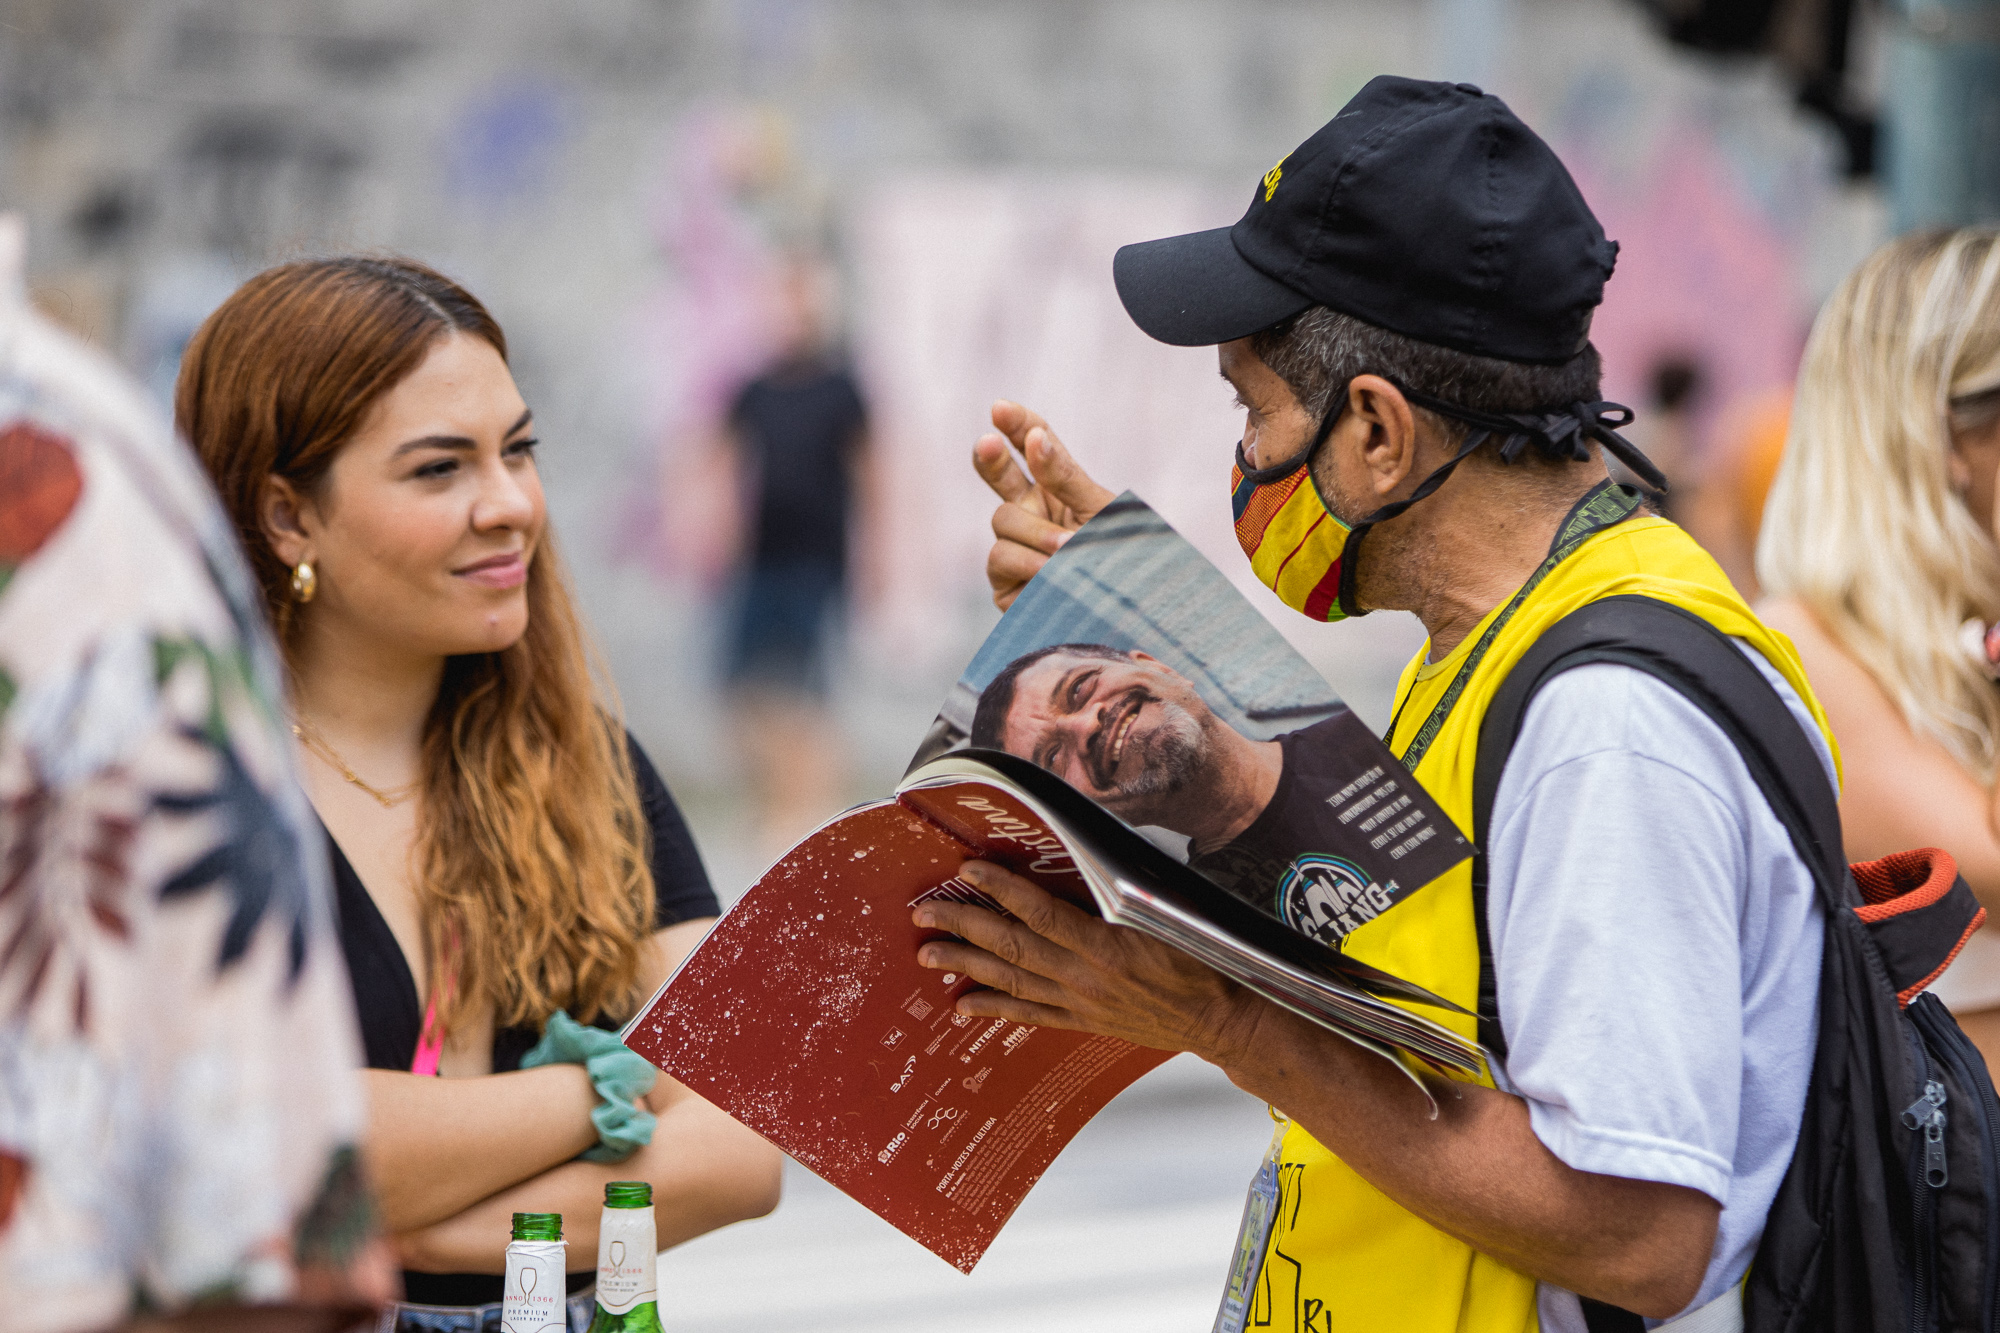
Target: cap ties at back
{"points": [[1563, 433]]}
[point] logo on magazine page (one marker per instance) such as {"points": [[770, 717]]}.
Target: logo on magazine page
{"points": [[1327, 897]]}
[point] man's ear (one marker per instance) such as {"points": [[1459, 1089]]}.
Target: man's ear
{"points": [[284, 515], [1390, 449], [1138, 656]]}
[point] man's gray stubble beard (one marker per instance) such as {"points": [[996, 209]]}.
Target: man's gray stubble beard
{"points": [[1173, 755]]}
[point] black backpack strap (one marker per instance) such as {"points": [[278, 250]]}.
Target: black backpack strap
{"points": [[1704, 666]]}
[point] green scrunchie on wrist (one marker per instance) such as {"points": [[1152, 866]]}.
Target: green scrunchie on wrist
{"points": [[620, 1075]]}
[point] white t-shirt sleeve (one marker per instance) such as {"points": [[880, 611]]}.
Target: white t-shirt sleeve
{"points": [[1657, 943]]}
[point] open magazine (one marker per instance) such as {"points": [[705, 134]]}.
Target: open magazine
{"points": [[1135, 738]]}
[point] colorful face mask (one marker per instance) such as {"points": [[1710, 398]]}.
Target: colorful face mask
{"points": [[1304, 552], [1295, 543]]}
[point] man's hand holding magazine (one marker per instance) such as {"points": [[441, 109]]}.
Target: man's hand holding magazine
{"points": [[1055, 966]]}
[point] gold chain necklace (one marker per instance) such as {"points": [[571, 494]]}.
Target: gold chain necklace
{"points": [[309, 736]]}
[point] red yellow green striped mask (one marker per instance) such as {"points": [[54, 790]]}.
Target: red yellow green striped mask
{"points": [[1295, 543]]}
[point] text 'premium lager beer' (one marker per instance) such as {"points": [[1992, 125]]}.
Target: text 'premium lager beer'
{"points": [[627, 1250], [535, 1295]]}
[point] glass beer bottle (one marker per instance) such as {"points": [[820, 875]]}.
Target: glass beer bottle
{"points": [[627, 1254], [535, 1298]]}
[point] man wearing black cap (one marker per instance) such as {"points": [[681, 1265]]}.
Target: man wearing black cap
{"points": [[1404, 312]]}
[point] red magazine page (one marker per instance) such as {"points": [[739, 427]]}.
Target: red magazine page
{"points": [[804, 1015]]}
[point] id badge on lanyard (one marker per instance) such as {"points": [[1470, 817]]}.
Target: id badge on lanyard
{"points": [[1259, 1211]]}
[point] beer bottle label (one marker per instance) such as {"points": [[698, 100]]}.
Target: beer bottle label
{"points": [[535, 1295], [626, 1259]]}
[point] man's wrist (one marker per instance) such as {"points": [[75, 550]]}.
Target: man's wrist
{"points": [[1243, 1027], [1274, 1054]]}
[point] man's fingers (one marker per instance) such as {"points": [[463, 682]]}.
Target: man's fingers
{"points": [[1012, 523], [991, 949], [1040, 911], [994, 462], [1008, 569], [1060, 475], [989, 970], [1049, 462], [1014, 421], [999, 1004], [1024, 546], [1009, 941], [1017, 423]]}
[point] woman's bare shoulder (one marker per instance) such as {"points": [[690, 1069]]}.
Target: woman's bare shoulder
{"points": [[1794, 619], [1899, 789], [1845, 687], [1818, 649]]}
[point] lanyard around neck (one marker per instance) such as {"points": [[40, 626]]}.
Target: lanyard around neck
{"points": [[1605, 505]]}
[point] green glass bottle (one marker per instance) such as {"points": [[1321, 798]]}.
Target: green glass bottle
{"points": [[628, 1299], [534, 1297], [538, 1226]]}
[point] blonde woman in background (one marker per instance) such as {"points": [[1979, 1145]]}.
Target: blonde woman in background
{"points": [[1879, 545]]}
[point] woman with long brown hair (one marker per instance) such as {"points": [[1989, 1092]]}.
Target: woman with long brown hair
{"points": [[503, 852]]}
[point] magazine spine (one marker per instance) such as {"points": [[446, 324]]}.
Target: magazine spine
{"points": [[971, 852], [1095, 879], [1087, 867]]}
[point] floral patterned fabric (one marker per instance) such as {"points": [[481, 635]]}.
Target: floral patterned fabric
{"points": [[178, 1095]]}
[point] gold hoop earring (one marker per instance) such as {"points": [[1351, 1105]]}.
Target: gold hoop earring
{"points": [[305, 582]]}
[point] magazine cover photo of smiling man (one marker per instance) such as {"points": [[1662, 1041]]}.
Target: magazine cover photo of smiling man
{"points": [[1180, 710]]}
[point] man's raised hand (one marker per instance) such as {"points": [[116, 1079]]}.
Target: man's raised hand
{"points": [[1035, 516]]}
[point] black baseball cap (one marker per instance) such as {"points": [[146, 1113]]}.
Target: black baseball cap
{"points": [[1425, 208]]}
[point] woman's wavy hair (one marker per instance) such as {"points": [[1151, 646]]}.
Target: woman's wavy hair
{"points": [[535, 887], [1863, 524]]}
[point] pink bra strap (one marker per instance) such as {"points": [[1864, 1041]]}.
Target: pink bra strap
{"points": [[430, 1042], [429, 1045]]}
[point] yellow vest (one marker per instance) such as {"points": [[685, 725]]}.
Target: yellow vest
{"points": [[1342, 1255]]}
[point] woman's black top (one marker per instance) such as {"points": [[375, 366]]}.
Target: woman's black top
{"points": [[392, 1013]]}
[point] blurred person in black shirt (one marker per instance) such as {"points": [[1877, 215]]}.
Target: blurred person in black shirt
{"points": [[799, 432]]}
